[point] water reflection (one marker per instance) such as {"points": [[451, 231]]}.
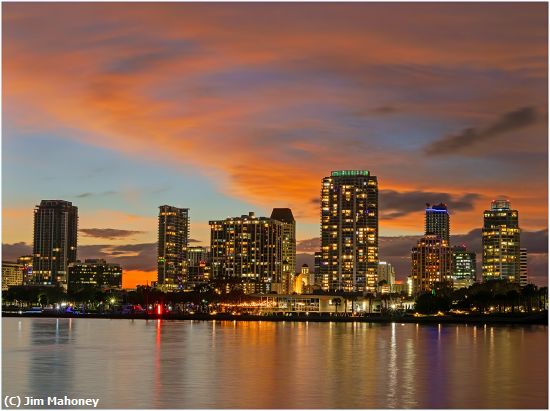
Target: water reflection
{"points": [[170, 364]]}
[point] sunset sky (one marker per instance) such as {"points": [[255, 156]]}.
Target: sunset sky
{"points": [[230, 108]]}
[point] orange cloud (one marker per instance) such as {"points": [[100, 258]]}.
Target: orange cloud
{"points": [[242, 93]]}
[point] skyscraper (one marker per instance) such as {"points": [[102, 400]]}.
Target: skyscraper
{"points": [[284, 215], [247, 249], [318, 278], [349, 231], [523, 267], [463, 267], [172, 246], [431, 263], [386, 273], [55, 241], [500, 239], [437, 221]]}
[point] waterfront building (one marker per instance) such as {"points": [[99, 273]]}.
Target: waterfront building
{"points": [[501, 243], [523, 280], [26, 262], [317, 304], [248, 249], [349, 231], [199, 265], [96, 273], [284, 215], [431, 264], [173, 239], [437, 221], [12, 274], [55, 241], [463, 267], [386, 273]]}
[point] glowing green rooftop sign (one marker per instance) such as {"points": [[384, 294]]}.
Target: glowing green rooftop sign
{"points": [[349, 173]]}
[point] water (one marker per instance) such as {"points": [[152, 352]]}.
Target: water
{"points": [[184, 364]]}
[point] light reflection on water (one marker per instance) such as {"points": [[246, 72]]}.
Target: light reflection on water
{"points": [[171, 364]]}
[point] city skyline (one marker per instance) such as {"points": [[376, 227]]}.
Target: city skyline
{"points": [[472, 241], [208, 121]]}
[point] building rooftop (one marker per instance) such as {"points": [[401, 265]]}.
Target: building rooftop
{"points": [[349, 173], [283, 214], [436, 207], [500, 204]]}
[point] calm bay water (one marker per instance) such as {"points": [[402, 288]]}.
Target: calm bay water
{"points": [[184, 364]]}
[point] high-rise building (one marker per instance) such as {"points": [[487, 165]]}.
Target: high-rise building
{"points": [[55, 240], [463, 267], [523, 267], [12, 274], [172, 246], [248, 249], [26, 262], [386, 272], [318, 278], [95, 273], [437, 221], [431, 263], [349, 231], [500, 240], [284, 215], [199, 265]]}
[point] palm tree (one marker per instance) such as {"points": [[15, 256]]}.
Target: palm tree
{"points": [[512, 297], [336, 302], [528, 293], [500, 300], [370, 296]]}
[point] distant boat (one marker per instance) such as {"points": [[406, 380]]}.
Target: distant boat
{"points": [[132, 309], [34, 310]]}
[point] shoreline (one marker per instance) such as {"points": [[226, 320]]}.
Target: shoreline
{"points": [[515, 319]]}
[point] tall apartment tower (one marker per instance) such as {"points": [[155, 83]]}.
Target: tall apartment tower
{"points": [[284, 215], [431, 263], [386, 272], [349, 231], [248, 249], [317, 277], [437, 221], [523, 267], [463, 267], [500, 240], [55, 241], [172, 246]]}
